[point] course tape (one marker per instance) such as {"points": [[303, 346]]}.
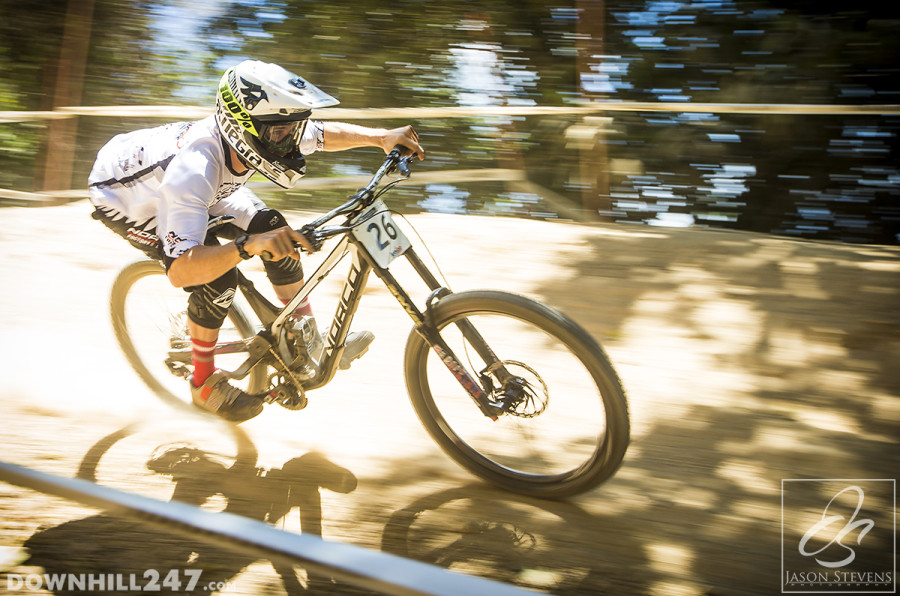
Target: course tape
{"points": [[196, 112]]}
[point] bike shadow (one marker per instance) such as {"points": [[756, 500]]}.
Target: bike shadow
{"points": [[106, 545], [531, 543]]}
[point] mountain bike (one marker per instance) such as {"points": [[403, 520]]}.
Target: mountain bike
{"points": [[513, 390]]}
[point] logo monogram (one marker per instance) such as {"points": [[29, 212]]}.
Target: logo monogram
{"points": [[172, 239], [849, 526], [253, 94], [840, 548], [225, 300]]}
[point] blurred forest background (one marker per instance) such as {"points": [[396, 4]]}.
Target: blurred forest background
{"points": [[829, 177]]}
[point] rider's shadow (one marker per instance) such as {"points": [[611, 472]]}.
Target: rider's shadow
{"points": [[100, 545]]}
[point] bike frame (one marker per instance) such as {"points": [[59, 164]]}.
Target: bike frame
{"points": [[363, 263]]}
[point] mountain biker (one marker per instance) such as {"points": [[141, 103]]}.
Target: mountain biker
{"points": [[159, 187]]}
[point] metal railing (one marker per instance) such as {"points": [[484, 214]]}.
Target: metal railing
{"points": [[354, 565]]}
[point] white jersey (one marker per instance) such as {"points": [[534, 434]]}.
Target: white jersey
{"points": [[174, 177]]}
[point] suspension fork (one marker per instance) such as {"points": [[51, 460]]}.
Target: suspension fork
{"points": [[468, 330], [425, 327]]}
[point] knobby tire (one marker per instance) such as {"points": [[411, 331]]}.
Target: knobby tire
{"points": [[608, 450]]}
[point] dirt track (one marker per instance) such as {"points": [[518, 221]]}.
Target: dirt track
{"points": [[748, 359]]}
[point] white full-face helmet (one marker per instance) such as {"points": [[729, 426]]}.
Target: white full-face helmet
{"points": [[261, 111]]}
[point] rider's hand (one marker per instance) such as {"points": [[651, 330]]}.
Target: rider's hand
{"points": [[277, 244], [405, 136]]}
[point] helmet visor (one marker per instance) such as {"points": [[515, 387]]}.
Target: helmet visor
{"points": [[281, 137]]}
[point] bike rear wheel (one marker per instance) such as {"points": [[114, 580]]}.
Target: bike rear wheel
{"points": [[570, 432], [149, 318]]}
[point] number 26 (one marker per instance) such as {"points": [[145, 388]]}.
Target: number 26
{"points": [[388, 226]]}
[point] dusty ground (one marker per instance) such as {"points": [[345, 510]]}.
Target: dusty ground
{"points": [[748, 360]]}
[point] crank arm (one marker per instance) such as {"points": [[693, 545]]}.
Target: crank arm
{"points": [[230, 347], [257, 348]]}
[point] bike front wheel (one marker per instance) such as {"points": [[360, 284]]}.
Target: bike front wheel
{"points": [[567, 431], [149, 318]]}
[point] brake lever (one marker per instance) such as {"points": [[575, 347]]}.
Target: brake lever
{"points": [[403, 165], [312, 236]]}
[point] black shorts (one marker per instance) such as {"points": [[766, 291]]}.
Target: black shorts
{"points": [[141, 236]]}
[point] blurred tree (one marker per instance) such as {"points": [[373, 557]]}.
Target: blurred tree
{"points": [[121, 68], [378, 56], [805, 175], [24, 51], [68, 83], [409, 53]]}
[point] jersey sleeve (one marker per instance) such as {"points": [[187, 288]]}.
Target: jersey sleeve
{"points": [[313, 138], [188, 190]]}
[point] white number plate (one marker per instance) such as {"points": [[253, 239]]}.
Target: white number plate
{"points": [[375, 229]]}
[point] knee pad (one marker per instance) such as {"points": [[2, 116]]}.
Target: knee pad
{"points": [[287, 270], [208, 304], [265, 220], [284, 272]]}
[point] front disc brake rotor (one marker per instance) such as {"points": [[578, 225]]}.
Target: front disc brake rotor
{"points": [[523, 393]]}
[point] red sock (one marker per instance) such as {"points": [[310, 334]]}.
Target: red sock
{"points": [[203, 357]]}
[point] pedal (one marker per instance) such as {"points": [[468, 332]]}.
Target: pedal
{"points": [[179, 369]]}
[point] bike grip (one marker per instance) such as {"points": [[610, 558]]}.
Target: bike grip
{"points": [[400, 149], [267, 256]]}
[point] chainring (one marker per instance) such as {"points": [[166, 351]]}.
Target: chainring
{"points": [[285, 394]]}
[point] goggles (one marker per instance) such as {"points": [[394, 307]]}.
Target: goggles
{"points": [[281, 137]]}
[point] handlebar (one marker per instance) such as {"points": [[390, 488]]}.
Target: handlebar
{"points": [[395, 160]]}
